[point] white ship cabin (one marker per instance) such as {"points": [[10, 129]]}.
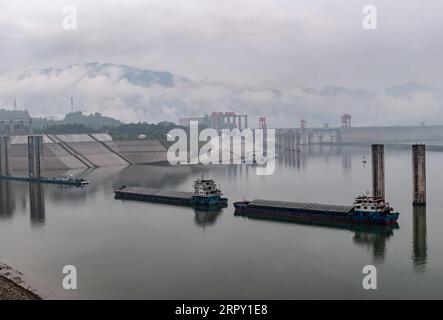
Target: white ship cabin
{"points": [[367, 203], [206, 187]]}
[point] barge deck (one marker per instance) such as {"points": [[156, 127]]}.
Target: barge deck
{"points": [[180, 198], [302, 207]]}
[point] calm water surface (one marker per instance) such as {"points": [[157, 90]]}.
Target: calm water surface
{"points": [[138, 250]]}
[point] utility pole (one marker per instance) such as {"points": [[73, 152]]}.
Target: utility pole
{"points": [[72, 105]]}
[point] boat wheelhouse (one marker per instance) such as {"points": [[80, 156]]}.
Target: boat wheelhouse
{"points": [[368, 204], [206, 187]]}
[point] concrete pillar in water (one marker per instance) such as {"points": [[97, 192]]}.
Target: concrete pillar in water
{"points": [[378, 171], [35, 153], [419, 174], [4, 155]]}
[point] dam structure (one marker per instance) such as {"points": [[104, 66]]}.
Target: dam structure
{"points": [[293, 138], [84, 151]]}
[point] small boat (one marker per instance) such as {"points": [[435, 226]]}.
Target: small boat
{"points": [[364, 161], [70, 179]]}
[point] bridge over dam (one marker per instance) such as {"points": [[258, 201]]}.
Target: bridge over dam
{"points": [[291, 139], [84, 151]]}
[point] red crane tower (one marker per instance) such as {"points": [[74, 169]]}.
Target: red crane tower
{"points": [[262, 123], [346, 120], [303, 124]]}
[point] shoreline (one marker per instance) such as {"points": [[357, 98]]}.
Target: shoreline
{"points": [[12, 286]]}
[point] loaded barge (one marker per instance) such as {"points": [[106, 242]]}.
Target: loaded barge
{"points": [[68, 181], [206, 194], [365, 210]]}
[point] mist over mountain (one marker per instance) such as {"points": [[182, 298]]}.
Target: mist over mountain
{"points": [[411, 88], [135, 76], [132, 94]]}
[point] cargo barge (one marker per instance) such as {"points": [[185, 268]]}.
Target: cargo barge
{"points": [[67, 181], [365, 210], [205, 194]]}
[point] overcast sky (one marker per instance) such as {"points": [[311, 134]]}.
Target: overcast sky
{"points": [[282, 44]]}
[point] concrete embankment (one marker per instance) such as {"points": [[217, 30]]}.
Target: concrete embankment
{"points": [[9, 290], [12, 286], [84, 151]]}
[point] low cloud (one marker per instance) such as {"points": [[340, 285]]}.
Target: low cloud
{"points": [[111, 90]]}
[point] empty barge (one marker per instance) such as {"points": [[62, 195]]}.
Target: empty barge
{"points": [[366, 210], [205, 194]]}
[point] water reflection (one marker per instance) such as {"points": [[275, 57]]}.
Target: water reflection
{"points": [[372, 237], [206, 218], [160, 176], [347, 162], [419, 239], [37, 204], [299, 159], [7, 201], [12, 193], [375, 240]]}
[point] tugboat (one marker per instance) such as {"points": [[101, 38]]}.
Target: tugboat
{"points": [[365, 210], [71, 180], [206, 193]]}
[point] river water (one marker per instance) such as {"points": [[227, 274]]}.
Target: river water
{"points": [[136, 250]]}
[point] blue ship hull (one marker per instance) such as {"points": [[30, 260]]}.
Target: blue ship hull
{"points": [[375, 217], [243, 208], [206, 200]]}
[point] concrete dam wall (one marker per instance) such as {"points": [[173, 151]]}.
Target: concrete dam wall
{"points": [[291, 139], [83, 151]]}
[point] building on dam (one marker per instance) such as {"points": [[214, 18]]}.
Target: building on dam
{"points": [[15, 122]]}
